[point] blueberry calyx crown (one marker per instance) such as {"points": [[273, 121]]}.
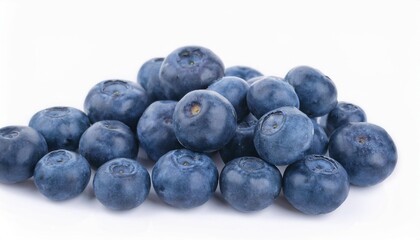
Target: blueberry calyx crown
{"points": [[186, 160], [57, 157], [362, 139], [122, 169], [114, 88], [167, 120], [250, 164], [109, 125], [272, 123], [190, 57], [57, 112], [195, 109], [321, 164], [9, 133], [349, 107]]}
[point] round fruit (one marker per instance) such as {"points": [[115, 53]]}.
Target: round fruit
{"points": [[184, 179], [315, 185], [106, 140], [204, 121], [20, 149], [250, 184], [116, 100], [269, 93], [189, 68], [121, 184], [366, 151], [317, 93], [61, 175], [283, 135], [155, 129], [61, 127], [342, 114]]}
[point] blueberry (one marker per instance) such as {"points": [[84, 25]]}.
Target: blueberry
{"points": [[250, 184], [342, 114], [106, 140], [243, 72], [149, 71], [61, 127], [270, 93], [155, 129], [121, 184], [148, 78], [184, 179], [20, 149], [61, 175], [189, 68], [204, 121], [235, 90], [116, 100], [320, 140], [317, 93], [316, 184], [365, 150], [283, 135], [242, 143]]}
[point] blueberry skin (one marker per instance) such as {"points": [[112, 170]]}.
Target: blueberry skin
{"points": [[317, 93], [106, 140], [283, 135], [61, 175], [250, 184], [61, 127], [316, 184], [185, 179], [243, 72], [189, 68], [116, 100], [366, 151], [148, 78], [242, 143], [204, 121], [270, 93], [254, 80], [344, 113], [121, 184], [21, 148], [149, 71], [155, 129], [320, 141], [235, 90]]}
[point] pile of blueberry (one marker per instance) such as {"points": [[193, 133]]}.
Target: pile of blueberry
{"points": [[184, 108]]}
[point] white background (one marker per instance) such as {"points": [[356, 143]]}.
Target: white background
{"points": [[53, 52]]}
